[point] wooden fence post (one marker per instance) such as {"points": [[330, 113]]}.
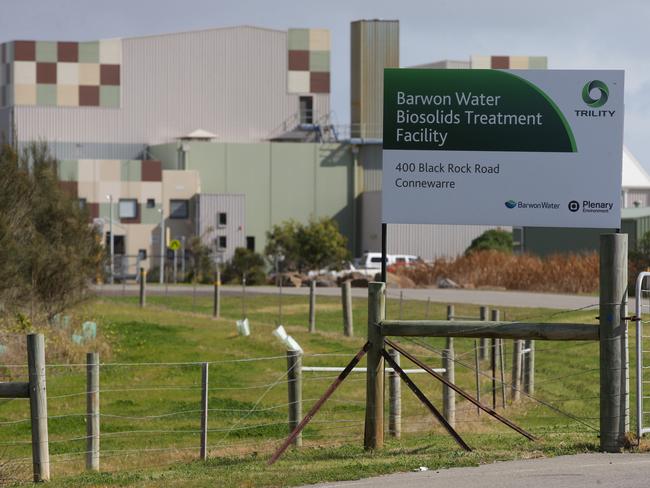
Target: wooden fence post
{"points": [[613, 328], [38, 406], [216, 299], [374, 424], [395, 399], [312, 306], [92, 411], [204, 410], [143, 287], [484, 341], [516, 369], [294, 382], [346, 297], [448, 394]]}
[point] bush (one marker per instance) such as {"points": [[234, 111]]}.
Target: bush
{"points": [[562, 273], [245, 262], [492, 240], [314, 246]]}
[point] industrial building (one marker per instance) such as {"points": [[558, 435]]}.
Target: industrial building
{"points": [[222, 133]]}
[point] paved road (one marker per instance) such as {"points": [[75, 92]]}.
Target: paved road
{"points": [[476, 297], [581, 471]]}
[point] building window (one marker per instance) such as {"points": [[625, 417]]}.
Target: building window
{"points": [[179, 209], [82, 203], [222, 219], [128, 208], [250, 243], [151, 203], [222, 242], [306, 110]]}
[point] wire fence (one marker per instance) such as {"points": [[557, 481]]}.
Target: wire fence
{"points": [[151, 412]]}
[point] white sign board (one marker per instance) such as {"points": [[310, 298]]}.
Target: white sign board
{"points": [[503, 147]]}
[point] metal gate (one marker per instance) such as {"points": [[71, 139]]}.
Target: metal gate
{"points": [[642, 355]]}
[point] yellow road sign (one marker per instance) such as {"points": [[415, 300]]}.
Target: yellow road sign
{"points": [[175, 245]]}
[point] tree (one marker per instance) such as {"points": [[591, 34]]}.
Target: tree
{"points": [[282, 240], [245, 262], [316, 245], [493, 239], [50, 252], [201, 263]]}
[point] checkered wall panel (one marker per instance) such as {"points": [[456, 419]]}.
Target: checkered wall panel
{"points": [[61, 74], [308, 61]]}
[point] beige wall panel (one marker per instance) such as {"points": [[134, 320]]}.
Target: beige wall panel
{"points": [[88, 170], [87, 190], [109, 188], [481, 62], [519, 62], [110, 170], [151, 189]]}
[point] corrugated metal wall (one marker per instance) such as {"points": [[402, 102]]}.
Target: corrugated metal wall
{"points": [[232, 82], [427, 241], [207, 207], [641, 196], [374, 46]]}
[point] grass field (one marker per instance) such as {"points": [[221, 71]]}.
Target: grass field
{"points": [[150, 412]]}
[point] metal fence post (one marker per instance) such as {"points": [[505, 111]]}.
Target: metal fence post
{"points": [[484, 341], [38, 406], [143, 287], [450, 312], [516, 370], [92, 411], [294, 382], [216, 300], [312, 306], [529, 367], [448, 394], [374, 423], [204, 411], [493, 360], [613, 305], [346, 296], [395, 399], [477, 375]]}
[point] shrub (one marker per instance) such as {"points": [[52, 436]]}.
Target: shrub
{"points": [[492, 240], [316, 245], [245, 262]]}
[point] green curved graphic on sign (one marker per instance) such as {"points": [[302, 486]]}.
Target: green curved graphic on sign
{"points": [[471, 110], [595, 85]]}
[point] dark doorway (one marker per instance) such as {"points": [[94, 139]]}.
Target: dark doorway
{"points": [[118, 242], [250, 243], [306, 110]]}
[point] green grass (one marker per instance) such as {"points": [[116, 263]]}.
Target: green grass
{"points": [[251, 398]]}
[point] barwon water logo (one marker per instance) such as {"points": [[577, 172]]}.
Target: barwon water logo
{"points": [[511, 204]]}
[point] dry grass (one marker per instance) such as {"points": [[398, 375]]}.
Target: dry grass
{"points": [[566, 273]]}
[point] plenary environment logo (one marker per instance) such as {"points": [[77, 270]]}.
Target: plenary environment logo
{"points": [[603, 93]]}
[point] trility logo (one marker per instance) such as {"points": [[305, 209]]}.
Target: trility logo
{"points": [[603, 93], [574, 206], [511, 204]]}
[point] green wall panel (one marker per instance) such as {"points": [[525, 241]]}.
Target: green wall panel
{"points": [[131, 170], [166, 153], [69, 170]]}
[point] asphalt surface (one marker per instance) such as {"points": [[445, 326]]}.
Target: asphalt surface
{"points": [[476, 297], [581, 471]]}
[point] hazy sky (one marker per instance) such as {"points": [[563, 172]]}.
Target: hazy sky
{"points": [[580, 34]]}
